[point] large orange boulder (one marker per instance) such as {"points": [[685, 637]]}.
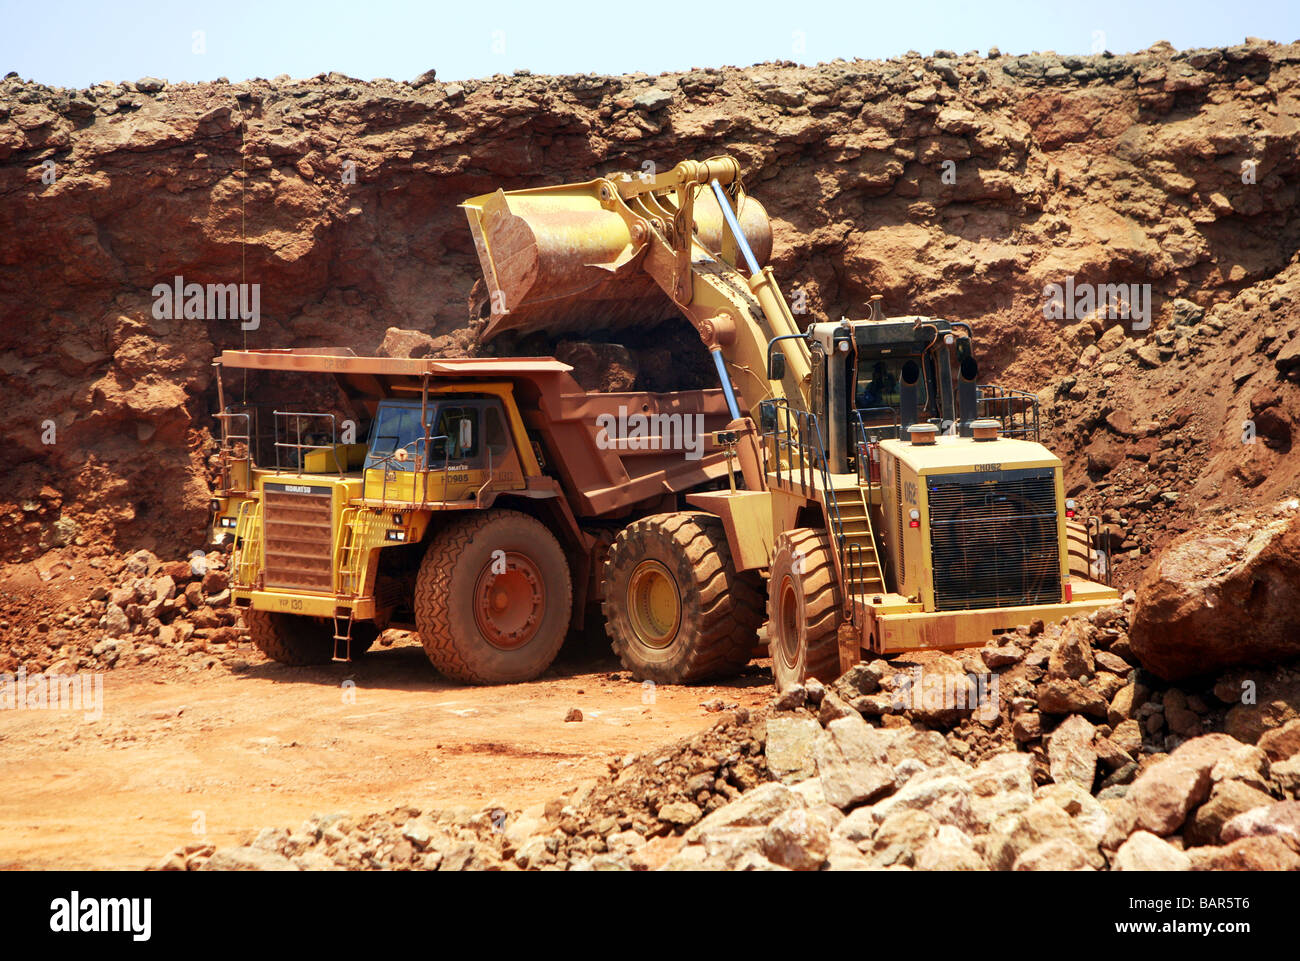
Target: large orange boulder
{"points": [[1218, 599]]}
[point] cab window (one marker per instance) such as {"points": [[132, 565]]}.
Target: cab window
{"points": [[396, 426], [498, 439]]}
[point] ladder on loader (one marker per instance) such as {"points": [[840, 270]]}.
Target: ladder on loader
{"points": [[797, 462], [860, 563]]}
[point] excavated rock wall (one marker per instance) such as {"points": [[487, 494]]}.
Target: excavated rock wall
{"points": [[956, 185]]}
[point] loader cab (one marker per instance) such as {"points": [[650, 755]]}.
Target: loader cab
{"points": [[871, 379]]}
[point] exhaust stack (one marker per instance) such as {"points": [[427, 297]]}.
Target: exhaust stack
{"points": [[907, 391], [967, 395]]}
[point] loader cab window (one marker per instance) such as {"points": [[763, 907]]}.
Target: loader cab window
{"points": [[878, 381]]}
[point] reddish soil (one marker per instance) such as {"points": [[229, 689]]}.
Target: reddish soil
{"points": [[266, 744]]}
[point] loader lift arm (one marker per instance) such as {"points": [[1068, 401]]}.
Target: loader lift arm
{"points": [[574, 257]]}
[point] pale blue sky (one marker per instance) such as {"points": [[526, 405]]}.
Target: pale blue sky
{"points": [[78, 43]]}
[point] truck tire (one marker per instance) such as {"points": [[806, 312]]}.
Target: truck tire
{"points": [[483, 625], [299, 640], [804, 609], [676, 609]]}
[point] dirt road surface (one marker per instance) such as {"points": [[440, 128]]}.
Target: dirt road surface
{"points": [[216, 754]]}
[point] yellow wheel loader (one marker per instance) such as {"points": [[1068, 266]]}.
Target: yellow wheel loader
{"points": [[890, 502]]}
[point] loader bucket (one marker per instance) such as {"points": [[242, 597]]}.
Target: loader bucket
{"points": [[559, 259]]}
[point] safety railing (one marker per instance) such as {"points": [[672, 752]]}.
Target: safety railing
{"points": [[792, 442], [1015, 410], [298, 446], [235, 446], [246, 554], [867, 437]]}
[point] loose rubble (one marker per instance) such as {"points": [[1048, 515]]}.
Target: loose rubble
{"points": [[1066, 755]]}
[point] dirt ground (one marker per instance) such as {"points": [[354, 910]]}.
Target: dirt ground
{"points": [[221, 753]]}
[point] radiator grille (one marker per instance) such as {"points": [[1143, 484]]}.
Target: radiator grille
{"points": [[298, 537], [993, 539]]}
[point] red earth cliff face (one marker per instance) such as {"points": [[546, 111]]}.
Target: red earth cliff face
{"points": [[959, 187]]}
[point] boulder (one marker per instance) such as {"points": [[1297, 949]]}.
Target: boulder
{"points": [[950, 849], [400, 342], [1066, 696], [1215, 600], [1247, 854], [756, 808], [797, 840], [1072, 657], [1072, 758], [1055, 854], [1227, 800], [1167, 791], [1282, 742], [1281, 820], [248, 859], [852, 762], [1042, 821], [789, 748], [1146, 852], [945, 798]]}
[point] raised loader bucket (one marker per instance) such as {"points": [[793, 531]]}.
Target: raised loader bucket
{"points": [[568, 258]]}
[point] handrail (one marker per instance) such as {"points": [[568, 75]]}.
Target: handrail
{"points": [[800, 425], [1103, 549], [1016, 410], [863, 447], [299, 446]]}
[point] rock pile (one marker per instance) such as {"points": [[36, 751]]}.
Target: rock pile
{"points": [[145, 610], [1047, 749]]}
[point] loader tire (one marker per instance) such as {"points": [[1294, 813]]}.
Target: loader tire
{"points": [[676, 608], [493, 618], [804, 609], [300, 640]]}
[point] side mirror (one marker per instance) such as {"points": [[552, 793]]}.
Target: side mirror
{"points": [[776, 368], [466, 434]]}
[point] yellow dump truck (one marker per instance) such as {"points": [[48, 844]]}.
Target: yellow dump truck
{"points": [[471, 500]]}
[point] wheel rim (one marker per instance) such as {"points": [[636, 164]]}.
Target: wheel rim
{"points": [[509, 606], [787, 627], [654, 604]]}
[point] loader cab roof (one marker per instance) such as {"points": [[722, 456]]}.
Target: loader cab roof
{"points": [[903, 335]]}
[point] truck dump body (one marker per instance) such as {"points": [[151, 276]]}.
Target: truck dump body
{"points": [[608, 451]]}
